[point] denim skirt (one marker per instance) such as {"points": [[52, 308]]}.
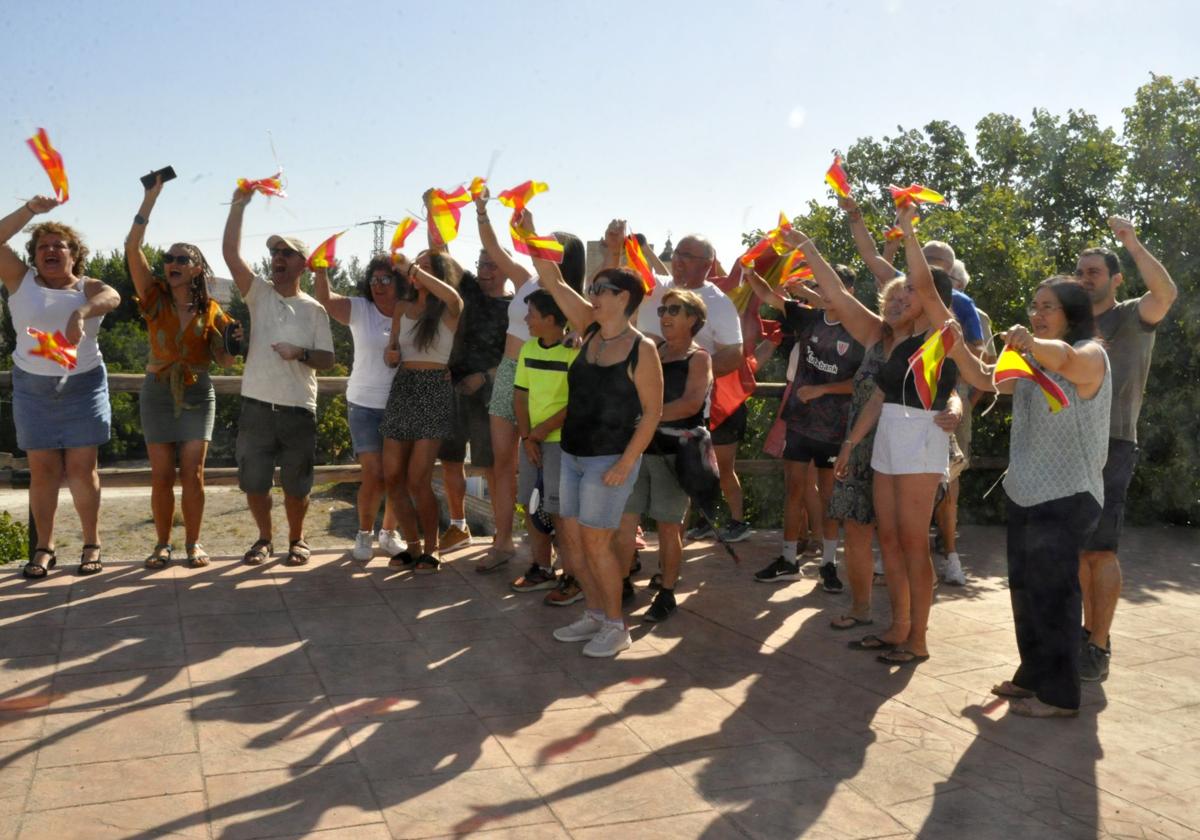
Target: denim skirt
{"points": [[51, 412]]}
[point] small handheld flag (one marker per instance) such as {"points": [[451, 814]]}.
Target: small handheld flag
{"points": [[637, 262], [915, 194], [522, 194], [52, 162], [407, 225], [836, 178], [1012, 365], [266, 186], [534, 245], [476, 187], [55, 347], [444, 212], [926, 364], [323, 255]]}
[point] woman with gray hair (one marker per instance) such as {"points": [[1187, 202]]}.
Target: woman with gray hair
{"points": [[178, 405]]}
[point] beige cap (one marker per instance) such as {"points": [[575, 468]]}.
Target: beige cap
{"points": [[290, 241]]}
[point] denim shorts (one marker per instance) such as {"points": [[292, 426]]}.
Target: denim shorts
{"points": [[583, 495], [364, 428], [51, 412]]}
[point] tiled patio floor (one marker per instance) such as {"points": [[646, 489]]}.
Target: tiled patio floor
{"points": [[343, 701]]}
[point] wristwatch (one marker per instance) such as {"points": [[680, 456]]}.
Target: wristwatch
{"points": [[139, 219]]}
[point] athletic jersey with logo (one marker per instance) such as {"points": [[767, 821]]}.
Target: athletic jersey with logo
{"points": [[824, 353], [542, 373]]}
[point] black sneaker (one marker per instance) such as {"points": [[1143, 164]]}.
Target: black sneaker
{"points": [[829, 578], [778, 571], [627, 593], [1093, 664], [662, 608]]}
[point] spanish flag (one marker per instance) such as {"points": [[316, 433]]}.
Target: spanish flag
{"points": [[476, 187], [637, 262], [52, 162], [915, 194], [926, 365], [836, 178], [407, 225], [266, 186], [533, 245], [1012, 365], [323, 255], [521, 194], [444, 212], [55, 347]]}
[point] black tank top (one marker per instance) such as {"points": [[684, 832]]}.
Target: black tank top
{"points": [[675, 376], [603, 408], [899, 385]]}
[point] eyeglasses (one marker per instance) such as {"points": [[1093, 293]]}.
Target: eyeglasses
{"points": [[177, 259], [381, 280], [486, 266], [284, 252], [601, 287], [1033, 309], [670, 309]]}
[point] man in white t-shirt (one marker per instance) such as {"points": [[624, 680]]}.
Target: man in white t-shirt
{"points": [[691, 265], [289, 341]]}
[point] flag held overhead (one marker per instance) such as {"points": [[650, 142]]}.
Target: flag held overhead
{"points": [[521, 194], [915, 194], [444, 211], [323, 255], [637, 261], [266, 186], [52, 162], [836, 178]]}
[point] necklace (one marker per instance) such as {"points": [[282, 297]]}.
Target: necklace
{"points": [[604, 342]]}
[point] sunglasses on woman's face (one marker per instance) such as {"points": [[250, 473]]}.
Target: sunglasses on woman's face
{"points": [[601, 287], [381, 280], [670, 309], [177, 259]]}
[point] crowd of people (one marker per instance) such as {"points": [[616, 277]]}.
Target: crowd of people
{"points": [[575, 396]]}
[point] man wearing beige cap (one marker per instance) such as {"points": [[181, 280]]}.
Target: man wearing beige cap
{"points": [[289, 341]]}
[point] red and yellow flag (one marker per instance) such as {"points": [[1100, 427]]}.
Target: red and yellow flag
{"points": [[407, 225], [926, 364], [1012, 365], [323, 255], [794, 268], [836, 178], [444, 212], [521, 194], [773, 240], [535, 245], [476, 187], [55, 347], [894, 232], [637, 262], [915, 194], [266, 186], [52, 162]]}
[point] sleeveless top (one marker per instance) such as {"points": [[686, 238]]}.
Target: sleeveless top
{"points": [[437, 352], [603, 408], [517, 308], [46, 309], [1053, 456], [898, 383], [675, 376]]}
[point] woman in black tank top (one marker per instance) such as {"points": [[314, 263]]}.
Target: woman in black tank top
{"points": [[613, 408]]}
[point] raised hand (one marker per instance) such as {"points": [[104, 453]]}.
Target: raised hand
{"points": [[154, 189], [41, 204], [481, 201], [1123, 230], [614, 236], [904, 217]]}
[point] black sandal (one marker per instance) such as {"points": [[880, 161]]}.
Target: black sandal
{"points": [[36, 571], [298, 553], [93, 566], [871, 642], [259, 553], [403, 560], [158, 559], [426, 564]]}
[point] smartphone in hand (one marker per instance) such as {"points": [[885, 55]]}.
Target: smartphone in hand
{"points": [[167, 173]]}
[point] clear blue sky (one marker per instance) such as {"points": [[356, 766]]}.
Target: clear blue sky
{"points": [[680, 116]]}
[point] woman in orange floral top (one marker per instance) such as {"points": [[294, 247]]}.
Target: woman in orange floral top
{"points": [[186, 331]]}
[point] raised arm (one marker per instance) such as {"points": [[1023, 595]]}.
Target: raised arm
{"points": [[919, 274], [1160, 288], [139, 268], [771, 297], [440, 289], [579, 311], [338, 306], [1082, 366], [648, 379], [512, 269], [864, 243], [231, 243], [695, 392], [864, 326], [12, 267]]}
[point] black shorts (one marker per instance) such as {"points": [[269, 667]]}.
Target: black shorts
{"points": [[270, 436], [471, 424], [1118, 472], [804, 449], [732, 430]]}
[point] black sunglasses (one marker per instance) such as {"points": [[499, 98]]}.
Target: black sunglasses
{"points": [[670, 309], [601, 287], [177, 259]]}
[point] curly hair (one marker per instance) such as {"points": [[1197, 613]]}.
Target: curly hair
{"points": [[79, 251]]}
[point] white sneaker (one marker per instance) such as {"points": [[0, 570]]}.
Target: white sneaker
{"points": [[363, 549], [390, 542], [952, 572], [611, 640], [579, 630]]}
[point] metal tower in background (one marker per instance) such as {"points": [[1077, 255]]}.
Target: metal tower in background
{"points": [[379, 236]]}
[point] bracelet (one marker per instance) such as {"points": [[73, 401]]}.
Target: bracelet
{"points": [[411, 268], [32, 212], [483, 220]]}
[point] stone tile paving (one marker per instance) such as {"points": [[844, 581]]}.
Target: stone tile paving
{"points": [[345, 700]]}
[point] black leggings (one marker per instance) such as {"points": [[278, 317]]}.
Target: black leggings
{"points": [[1044, 542]]}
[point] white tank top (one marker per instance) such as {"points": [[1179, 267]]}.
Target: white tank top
{"points": [[45, 309], [437, 352], [517, 309]]}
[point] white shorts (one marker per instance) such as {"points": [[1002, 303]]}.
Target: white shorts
{"points": [[907, 442]]}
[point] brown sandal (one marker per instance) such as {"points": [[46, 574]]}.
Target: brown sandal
{"points": [[298, 553], [160, 557], [259, 553], [1008, 688]]}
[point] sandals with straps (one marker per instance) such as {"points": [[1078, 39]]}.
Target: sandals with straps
{"points": [[93, 566], [197, 556], [298, 553], [36, 571], [160, 557], [259, 553]]}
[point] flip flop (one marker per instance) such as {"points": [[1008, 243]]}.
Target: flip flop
{"points": [[870, 643], [1010, 689], [1031, 707], [901, 657], [854, 622]]}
